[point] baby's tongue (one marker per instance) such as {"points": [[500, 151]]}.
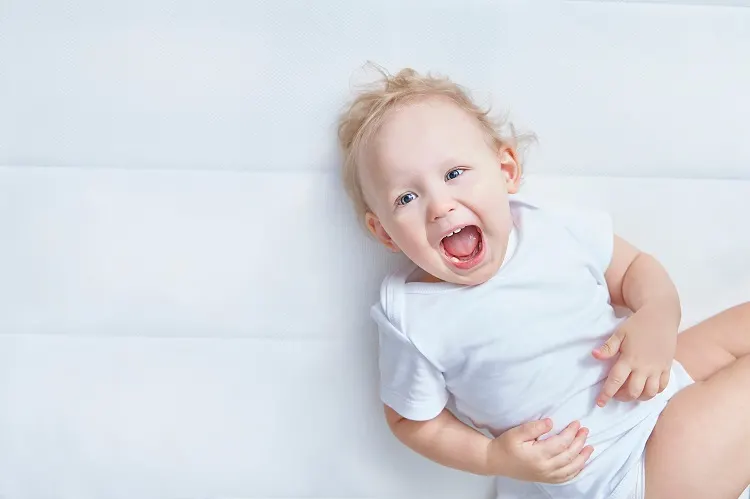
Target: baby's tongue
{"points": [[462, 244]]}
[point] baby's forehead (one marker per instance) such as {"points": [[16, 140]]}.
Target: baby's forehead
{"points": [[427, 130], [434, 109]]}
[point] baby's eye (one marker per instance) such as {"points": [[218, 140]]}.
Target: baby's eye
{"points": [[454, 173], [406, 198]]}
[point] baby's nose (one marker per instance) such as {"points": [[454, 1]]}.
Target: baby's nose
{"points": [[440, 209]]}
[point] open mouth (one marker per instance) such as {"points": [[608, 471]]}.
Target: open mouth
{"points": [[464, 247]]}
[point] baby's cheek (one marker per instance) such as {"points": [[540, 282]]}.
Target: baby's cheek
{"points": [[491, 192], [414, 249]]}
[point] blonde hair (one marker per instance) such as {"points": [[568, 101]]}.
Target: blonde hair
{"points": [[365, 114]]}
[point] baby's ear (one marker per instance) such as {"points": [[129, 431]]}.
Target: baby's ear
{"points": [[377, 230], [510, 168]]}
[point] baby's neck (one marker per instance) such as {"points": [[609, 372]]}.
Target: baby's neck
{"points": [[420, 275]]}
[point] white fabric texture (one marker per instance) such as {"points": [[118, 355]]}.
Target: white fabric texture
{"points": [[518, 347]]}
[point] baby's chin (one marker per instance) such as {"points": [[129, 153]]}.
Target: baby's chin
{"points": [[473, 277], [482, 272]]}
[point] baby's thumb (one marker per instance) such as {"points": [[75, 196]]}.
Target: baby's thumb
{"points": [[533, 429], [610, 348]]}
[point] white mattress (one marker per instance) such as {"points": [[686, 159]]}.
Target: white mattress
{"points": [[163, 335], [183, 292]]}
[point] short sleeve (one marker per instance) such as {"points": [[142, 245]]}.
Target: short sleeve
{"points": [[409, 383], [593, 230]]}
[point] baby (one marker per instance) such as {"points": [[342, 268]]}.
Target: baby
{"points": [[506, 308]]}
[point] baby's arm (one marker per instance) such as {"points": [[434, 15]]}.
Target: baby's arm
{"points": [[516, 453], [636, 280], [646, 341]]}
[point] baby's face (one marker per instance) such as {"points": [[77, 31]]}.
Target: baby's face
{"points": [[438, 192]]}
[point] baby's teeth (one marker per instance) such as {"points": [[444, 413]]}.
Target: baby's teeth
{"points": [[455, 259], [457, 231]]}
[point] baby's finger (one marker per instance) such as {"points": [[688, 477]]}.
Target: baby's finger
{"points": [[531, 430], [633, 388], [664, 381], [556, 444], [617, 377], [568, 454], [651, 389], [572, 469]]}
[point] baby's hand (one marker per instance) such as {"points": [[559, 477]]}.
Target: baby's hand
{"points": [[646, 342], [518, 454]]}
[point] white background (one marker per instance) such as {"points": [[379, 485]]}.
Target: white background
{"points": [[610, 88]]}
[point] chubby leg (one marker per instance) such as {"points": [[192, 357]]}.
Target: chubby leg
{"points": [[715, 343], [700, 447]]}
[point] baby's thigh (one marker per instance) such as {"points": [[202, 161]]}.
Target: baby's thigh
{"points": [[715, 343], [700, 447]]}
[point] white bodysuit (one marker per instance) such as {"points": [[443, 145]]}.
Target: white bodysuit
{"points": [[518, 348]]}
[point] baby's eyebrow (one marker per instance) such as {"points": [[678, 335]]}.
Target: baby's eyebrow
{"points": [[396, 192], [450, 163]]}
